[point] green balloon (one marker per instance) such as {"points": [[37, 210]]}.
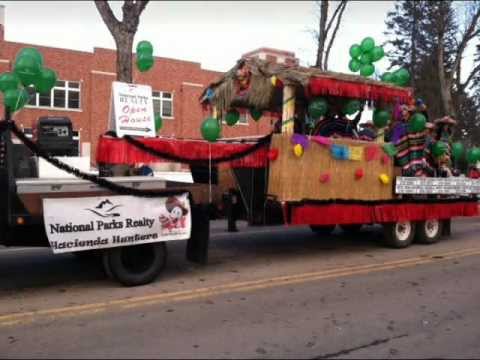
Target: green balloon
{"points": [[232, 117], [381, 118], [9, 81], [367, 44], [387, 77], [402, 77], [417, 123], [355, 51], [458, 150], [15, 99], [144, 62], [210, 129], [45, 81], [367, 70], [439, 149], [317, 107], [354, 65], [145, 47], [351, 107], [31, 52], [473, 155], [366, 58], [255, 114], [27, 69], [158, 122], [377, 53]]}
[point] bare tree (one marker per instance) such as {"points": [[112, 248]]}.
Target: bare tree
{"points": [[450, 81], [123, 32], [325, 35]]}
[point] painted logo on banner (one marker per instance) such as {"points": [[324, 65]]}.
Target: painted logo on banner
{"points": [[77, 224], [132, 109]]}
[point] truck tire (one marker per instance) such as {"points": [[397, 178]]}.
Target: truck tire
{"points": [[135, 265], [399, 235], [322, 229], [429, 231], [351, 228]]}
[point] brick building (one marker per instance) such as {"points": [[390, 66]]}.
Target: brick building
{"points": [[84, 82]]}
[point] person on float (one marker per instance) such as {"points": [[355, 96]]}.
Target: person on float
{"points": [[444, 132], [397, 134], [429, 141], [367, 132]]}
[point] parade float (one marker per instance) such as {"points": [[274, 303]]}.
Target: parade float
{"points": [[323, 165]]}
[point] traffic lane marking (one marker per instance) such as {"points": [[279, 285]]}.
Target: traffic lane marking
{"points": [[193, 294]]}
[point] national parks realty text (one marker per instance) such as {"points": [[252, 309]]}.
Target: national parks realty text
{"points": [[93, 226]]}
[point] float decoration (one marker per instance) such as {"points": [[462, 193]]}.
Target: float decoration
{"points": [[145, 60], [28, 70]]}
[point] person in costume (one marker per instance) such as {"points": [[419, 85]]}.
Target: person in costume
{"points": [[429, 141], [443, 132], [367, 132]]}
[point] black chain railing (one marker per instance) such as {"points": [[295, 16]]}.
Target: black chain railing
{"points": [[101, 182]]}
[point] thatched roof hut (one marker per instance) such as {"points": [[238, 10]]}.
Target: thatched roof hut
{"points": [[308, 82]]}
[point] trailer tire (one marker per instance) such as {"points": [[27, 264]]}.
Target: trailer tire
{"points": [[322, 229], [429, 231], [399, 235], [135, 265]]}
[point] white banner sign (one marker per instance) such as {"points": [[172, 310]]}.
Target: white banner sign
{"points": [[132, 110], [447, 186], [77, 224]]}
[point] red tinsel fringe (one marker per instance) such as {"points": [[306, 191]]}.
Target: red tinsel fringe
{"points": [[312, 214], [119, 151], [334, 87]]}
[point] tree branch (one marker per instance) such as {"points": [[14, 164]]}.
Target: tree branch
{"points": [[321, 32], [330, 23], [343, 5], [108, 16], [475, 71], [469, 34], [140, 6]]}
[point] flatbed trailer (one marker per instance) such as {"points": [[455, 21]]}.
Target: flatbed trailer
{"points": [[315, 187]]}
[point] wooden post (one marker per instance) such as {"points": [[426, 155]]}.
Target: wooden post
{"points": [[288, 110]]}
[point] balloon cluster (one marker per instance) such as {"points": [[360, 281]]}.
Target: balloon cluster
{"points": [[364, 55], [28, 71], [145, 59], [400, 77]]}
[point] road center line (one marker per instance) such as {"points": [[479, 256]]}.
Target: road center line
{"points": [[185, 295]]}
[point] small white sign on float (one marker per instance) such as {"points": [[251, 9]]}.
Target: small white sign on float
{"points": [[131, 110], [88, 223]]}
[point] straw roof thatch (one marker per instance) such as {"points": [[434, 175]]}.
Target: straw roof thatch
{"points": [[261, 91]]}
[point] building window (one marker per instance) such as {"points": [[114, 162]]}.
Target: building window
{"points": [[64, 95], [163, 104]]}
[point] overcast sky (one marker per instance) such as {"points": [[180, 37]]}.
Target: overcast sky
{"points": [[213, 33]]}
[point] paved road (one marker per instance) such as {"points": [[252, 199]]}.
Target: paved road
{"points": [[267, 293]]}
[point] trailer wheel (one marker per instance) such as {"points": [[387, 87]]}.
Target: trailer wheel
{"points": [[322, 229], [429, 231], [135, 265], [400, 234], [351, 228]]}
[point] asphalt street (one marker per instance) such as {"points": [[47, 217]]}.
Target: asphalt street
{"points": [[266, 293]]}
